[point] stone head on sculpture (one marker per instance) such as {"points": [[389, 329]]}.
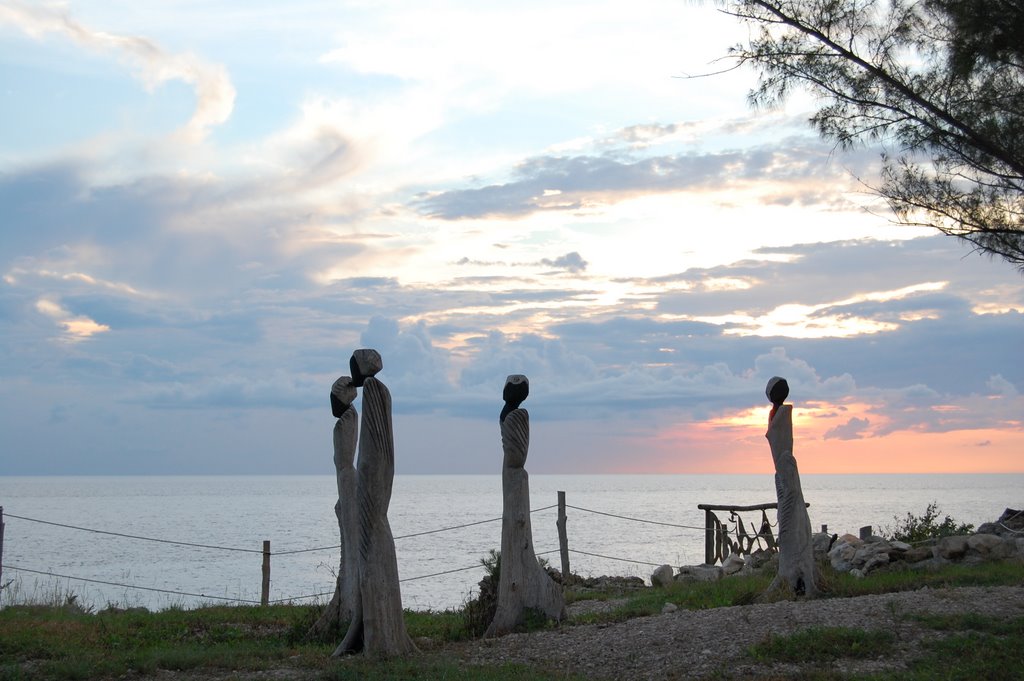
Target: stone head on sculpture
{"points": [[517, 389], [343, 393], [777, 391], [365, 363]]}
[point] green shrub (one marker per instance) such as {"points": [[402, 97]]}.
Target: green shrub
{"points": [[479, 612], [920, 528]]}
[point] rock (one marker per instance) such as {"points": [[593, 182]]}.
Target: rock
{"points": [[876, 561], [604, 582], [343, 393], [517, 389], [930, 564], [365, 362], [777, 390], [870, 555], [989, 546], [952, 548], [1011, 521], [669, 607], [899, 547], [733, 564], [869, 549], [821, 543], [842, 553], [758, 559], [699, 573], [858, 573], [918, 553], [662, 576], [1010, 524]]}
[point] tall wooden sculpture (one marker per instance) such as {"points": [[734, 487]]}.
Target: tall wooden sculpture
{"points": [[523, 584], [796, 554], [377, 626], [343, 604]]}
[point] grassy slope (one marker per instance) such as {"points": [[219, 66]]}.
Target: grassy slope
{"points": [[61, 641]]}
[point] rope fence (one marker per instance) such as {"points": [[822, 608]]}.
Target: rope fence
{"points": [[133, 536], [638, 520], [563, 550], [273, 553]]}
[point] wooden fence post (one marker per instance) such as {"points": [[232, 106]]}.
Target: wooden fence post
{"points": [[1, 548], [265, 591], [563, 537], [709, 537]]}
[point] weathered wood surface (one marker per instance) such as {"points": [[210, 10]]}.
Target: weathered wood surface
{"points": [[796, 553], [727, 507], [378, 627], [523, 584], [720, 541], [345, 600]]}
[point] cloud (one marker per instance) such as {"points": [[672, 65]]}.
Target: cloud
{"points": [[218, 289], [274, 388], [215, 95], [796, 168], [133, 239], [76, 327], [854, 429], [571, 262], [624, 366], [1001, 387]]}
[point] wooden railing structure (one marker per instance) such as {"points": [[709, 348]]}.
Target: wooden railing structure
{"points": [[720, 541]]}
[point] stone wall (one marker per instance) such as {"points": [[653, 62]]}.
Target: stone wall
{"points": [[994, 541], [999, 540]]}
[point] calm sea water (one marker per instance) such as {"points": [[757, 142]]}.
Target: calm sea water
{"points": [[296, 512]]}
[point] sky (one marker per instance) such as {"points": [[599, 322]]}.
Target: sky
{"points": [[207, 205]]}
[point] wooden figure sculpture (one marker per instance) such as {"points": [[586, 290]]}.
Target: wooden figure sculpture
{"points": [[522, 584], [377, 626], [796, 553], [343, 604]]}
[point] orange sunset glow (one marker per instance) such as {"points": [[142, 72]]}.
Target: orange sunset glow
{"points": [[736, 444]]}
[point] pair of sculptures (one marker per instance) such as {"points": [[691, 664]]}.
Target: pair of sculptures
{"points": [[367, 594]]}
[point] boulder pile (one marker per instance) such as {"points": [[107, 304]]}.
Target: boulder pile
{"points": [[998, 540], [994, 541], [735, 564]]}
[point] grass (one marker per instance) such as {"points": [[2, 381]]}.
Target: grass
{"points": [[70, 643], [970, 647], [686, 596], [442, 670], [843, 584], [62, 640], [824, 644]]}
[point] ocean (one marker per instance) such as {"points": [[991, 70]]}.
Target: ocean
{"points": [[444, 526]]}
